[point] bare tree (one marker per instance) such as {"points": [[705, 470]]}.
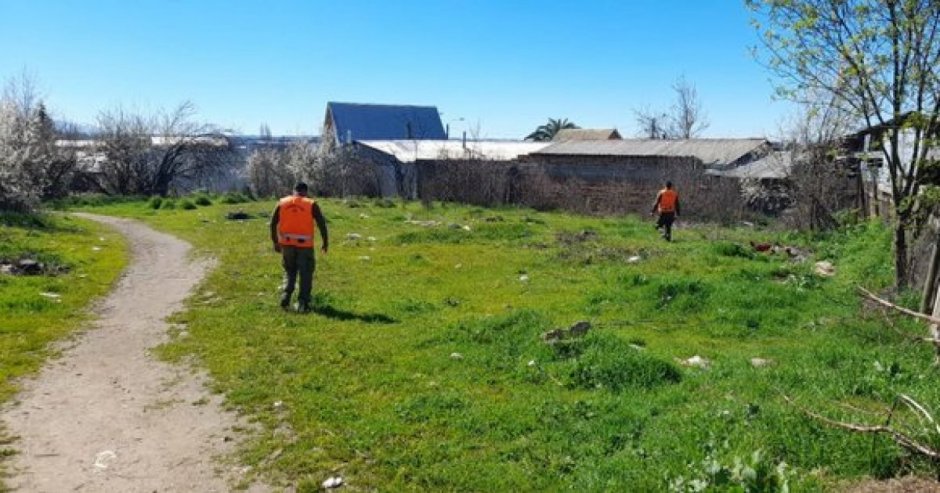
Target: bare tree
{"points": [[652, 124], [688, 119], [264, 131], [819, 185], [149, 154]]}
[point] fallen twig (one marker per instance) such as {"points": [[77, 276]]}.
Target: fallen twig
{"points": [[912, 313], [899, 438]]}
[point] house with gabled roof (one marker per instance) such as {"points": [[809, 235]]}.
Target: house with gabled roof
{"points": [[345, 123]]}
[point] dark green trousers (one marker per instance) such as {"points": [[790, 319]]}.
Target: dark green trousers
{"points": [[298, 262]]}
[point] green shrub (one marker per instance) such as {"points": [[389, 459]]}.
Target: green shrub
{"points": [[187, 204], [203, 200], [235, 198], [168, 204], [155, 202]]}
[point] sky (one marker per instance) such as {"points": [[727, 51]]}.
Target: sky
{"points": [[495, 68]]}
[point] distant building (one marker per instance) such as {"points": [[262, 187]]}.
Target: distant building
{"points": [[865, 150], [402, 164], [566, 134], [713, 153], [624, 175], [345, 123]]}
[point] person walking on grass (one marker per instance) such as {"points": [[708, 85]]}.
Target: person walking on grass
{"points": [[293, 224], [667, 205]]}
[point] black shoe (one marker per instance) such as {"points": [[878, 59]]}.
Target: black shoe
{"points": [[285, 302], [303, 308]]}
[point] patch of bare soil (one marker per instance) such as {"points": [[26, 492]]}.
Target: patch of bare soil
{"points": [[107, 415], [908, 484]]}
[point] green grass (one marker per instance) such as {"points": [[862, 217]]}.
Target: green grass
{"points": [[87, 258], [424, 368]]}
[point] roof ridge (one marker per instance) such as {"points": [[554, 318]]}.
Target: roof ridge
{"points": [[383, 105]]}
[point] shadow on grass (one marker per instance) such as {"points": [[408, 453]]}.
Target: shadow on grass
{"points": [[323, 305], [329, 311]]}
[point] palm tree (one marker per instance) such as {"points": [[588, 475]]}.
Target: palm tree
{"points": [[547, 131]]}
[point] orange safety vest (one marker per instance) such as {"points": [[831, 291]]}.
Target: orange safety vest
{"points": [[667, 200], [295, 224]]}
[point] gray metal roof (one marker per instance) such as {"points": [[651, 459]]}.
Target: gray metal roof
{"points": [[712, 152], [384, 122], [409, 151], [774, 166], [566, 134]]}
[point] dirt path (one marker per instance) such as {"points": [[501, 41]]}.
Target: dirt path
{"points": [[107, 416]]}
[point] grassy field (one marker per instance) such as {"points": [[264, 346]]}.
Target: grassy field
{"points": [[423, 366]]}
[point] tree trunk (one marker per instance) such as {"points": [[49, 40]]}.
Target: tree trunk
{"points": [[900, 255], [935, 330], [930, 282]]}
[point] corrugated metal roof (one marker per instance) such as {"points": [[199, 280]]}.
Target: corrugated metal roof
{"points": [[775, 166], [384, 122], [712, 152], [409, 151], [567, 134]]}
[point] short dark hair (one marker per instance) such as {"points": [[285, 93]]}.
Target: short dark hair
{"points": [[668, 184], [300, 187]]}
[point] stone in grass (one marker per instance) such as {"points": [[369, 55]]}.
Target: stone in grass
{"points": [[456, 356], [695, 362], [579, 329], [824, 269], [553, 336], [760, 362], [30, 267], [332, 482], [353, 236], [634, 259]]}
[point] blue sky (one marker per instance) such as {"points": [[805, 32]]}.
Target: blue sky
{"points": [[503, 66]]}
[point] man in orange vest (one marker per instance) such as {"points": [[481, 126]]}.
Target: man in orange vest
{"points": [[667, 204], [292, 230]]}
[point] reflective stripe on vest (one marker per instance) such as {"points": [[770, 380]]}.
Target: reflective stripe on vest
{"points": [[295, 225], [667, 200]]}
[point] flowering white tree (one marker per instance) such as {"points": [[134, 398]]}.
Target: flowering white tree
{"points": [[32, 167]]}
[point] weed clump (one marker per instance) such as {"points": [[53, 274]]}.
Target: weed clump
{"points": [[187, 204], [155, 202], [235, 198], [607, 361], [691, 293], [168, 204], [596, 361], [203, 200], [728, 249]]}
